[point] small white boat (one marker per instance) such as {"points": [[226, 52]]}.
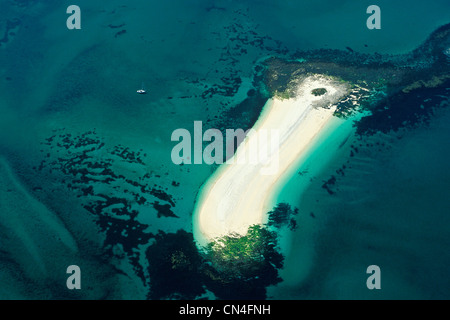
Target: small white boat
{"points": [[142, 90]]}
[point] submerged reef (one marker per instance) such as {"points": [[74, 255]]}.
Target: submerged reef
{"points": [[391, 87], [396, 91], [231, 267], [283, 215], [114, 195]]}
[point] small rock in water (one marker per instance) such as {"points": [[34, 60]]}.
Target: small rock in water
{"points": [[447, 52], [319, 91]]}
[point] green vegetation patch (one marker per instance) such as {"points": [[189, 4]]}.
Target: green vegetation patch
{"points": [[231, 267], [241, 267], [319, 91]]}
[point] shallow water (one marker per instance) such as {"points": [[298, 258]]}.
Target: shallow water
{"points": [[56, 82]]}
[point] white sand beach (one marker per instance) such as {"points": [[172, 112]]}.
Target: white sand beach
{"points": [[238, 195]]}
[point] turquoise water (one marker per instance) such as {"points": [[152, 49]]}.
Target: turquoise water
{"points": [[69, 110], [389, 210]]}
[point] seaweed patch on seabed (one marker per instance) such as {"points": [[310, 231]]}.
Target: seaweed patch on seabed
{"points": [[399, 92], [239, 38], [11, 30], [23, 3], [112, 195]]}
